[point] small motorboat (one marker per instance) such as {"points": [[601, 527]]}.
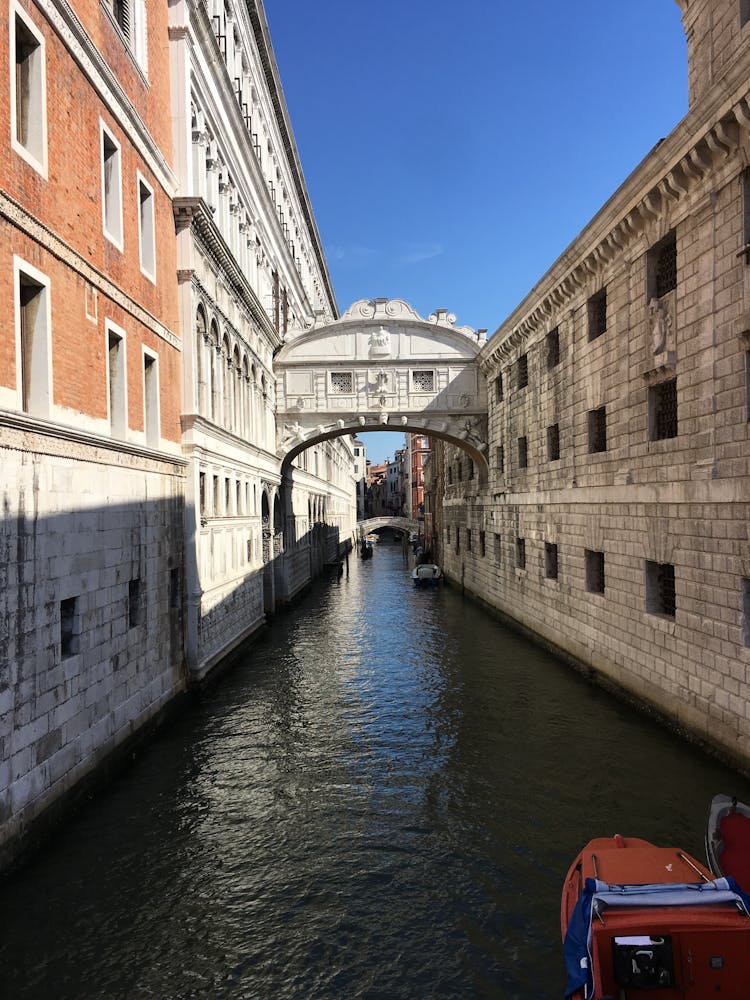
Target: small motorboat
{"points": [[426, 575], [728, 839], [639, 920]]}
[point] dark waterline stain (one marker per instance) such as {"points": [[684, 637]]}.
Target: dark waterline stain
{"points": [[380, 801]]}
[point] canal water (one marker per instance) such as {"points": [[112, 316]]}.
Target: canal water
{"points": [[380, 801]]}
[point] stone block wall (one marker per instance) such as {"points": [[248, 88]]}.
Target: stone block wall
{"points": [[91, 594]]}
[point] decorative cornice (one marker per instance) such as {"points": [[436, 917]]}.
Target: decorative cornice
{"points": [[708, 150], [49, 241], [195, 213], [92, 64]]}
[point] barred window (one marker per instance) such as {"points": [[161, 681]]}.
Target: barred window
{"points": [[660, 596], [70, 627], [662, 400], [550, 560], [662, 267], [597, 314], [468, 539], [482, 544], [523, 452], [499, 389], [470, 463], [498, 547], [458, 539], [553, 348], [423, 381], [597, 428], [553, 443], [522, 372], [500, 458], [594, 571], [342, 383], [521, 553], [448, 534]]}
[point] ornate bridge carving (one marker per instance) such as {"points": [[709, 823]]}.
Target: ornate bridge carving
{"points": [[381, 366]]}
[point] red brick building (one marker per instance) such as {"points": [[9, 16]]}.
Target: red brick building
{"points": [[90, 386]]}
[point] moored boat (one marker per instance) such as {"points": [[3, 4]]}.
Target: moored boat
{"points": [[728, 839], [638, 919], [426, 575]]}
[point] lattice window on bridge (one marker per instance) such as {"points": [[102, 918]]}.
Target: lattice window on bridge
{"points": [[423, 381], [660, 597], [662, 410], [342, 383]]}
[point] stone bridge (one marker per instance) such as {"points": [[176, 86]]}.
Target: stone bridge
{"points": [[381, 366], [397, 523]]}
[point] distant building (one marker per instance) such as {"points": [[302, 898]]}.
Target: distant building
{"points": [[419, 450], [395, 483], [360, 475]]}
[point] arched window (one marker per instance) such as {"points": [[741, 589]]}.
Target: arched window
{"points": [[227, 395], [213, 370], [200, 359], [245, 396], [238, 386]]}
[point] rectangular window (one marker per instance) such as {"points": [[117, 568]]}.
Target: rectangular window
{"points": [[342, 383], [660, 598], [146, 229], [523, 452], [33, 357], [662, 410], [175, 596], [500, 457], [550, 560], [460, 471], [553, 348], [134, 603], [745, 611], [217, 496], [227, 494], [661, 267], [470, 464], [116, 382], [423, 381], [521, 553], [597, 429], [448, 534], [468, 539], [553, 443], [450, 475], [70, 628], [202, 493], [482, 544], [28, 91], [594, 571], [497, 547], [151, 398], [458, 540], [522, 372], [499, 389], [111, 187], [238, 497], [597, 314]]}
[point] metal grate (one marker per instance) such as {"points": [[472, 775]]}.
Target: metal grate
{"points": [[342, 383], [597, 310], [665, 268], [553, 442], [598, 430], [550, 560], [499, 389], [423, 381], [594, 572], [553, 348], [664, 410], [522, 371]]}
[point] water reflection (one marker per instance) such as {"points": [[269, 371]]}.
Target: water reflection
{"points": [[380, 802]]}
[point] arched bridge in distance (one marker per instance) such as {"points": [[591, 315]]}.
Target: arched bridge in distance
{"points": [[381, 366], [403, 524]]}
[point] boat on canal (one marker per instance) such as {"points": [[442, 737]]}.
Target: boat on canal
{"points": [[728, 839], [640, 921], [426, 575]]}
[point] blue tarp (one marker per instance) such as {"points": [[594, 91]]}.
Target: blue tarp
{"points": [[577, 944]]}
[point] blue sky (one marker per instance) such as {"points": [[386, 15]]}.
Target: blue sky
{"points": [[452, 152]]}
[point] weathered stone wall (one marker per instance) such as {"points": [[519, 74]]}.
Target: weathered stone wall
{"points": [[91, 554], [622, 431]]}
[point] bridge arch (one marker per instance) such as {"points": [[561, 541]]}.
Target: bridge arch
{"points": [[382, 366]]}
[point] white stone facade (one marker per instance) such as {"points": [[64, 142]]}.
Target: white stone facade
{"points": [[90, 608]]}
